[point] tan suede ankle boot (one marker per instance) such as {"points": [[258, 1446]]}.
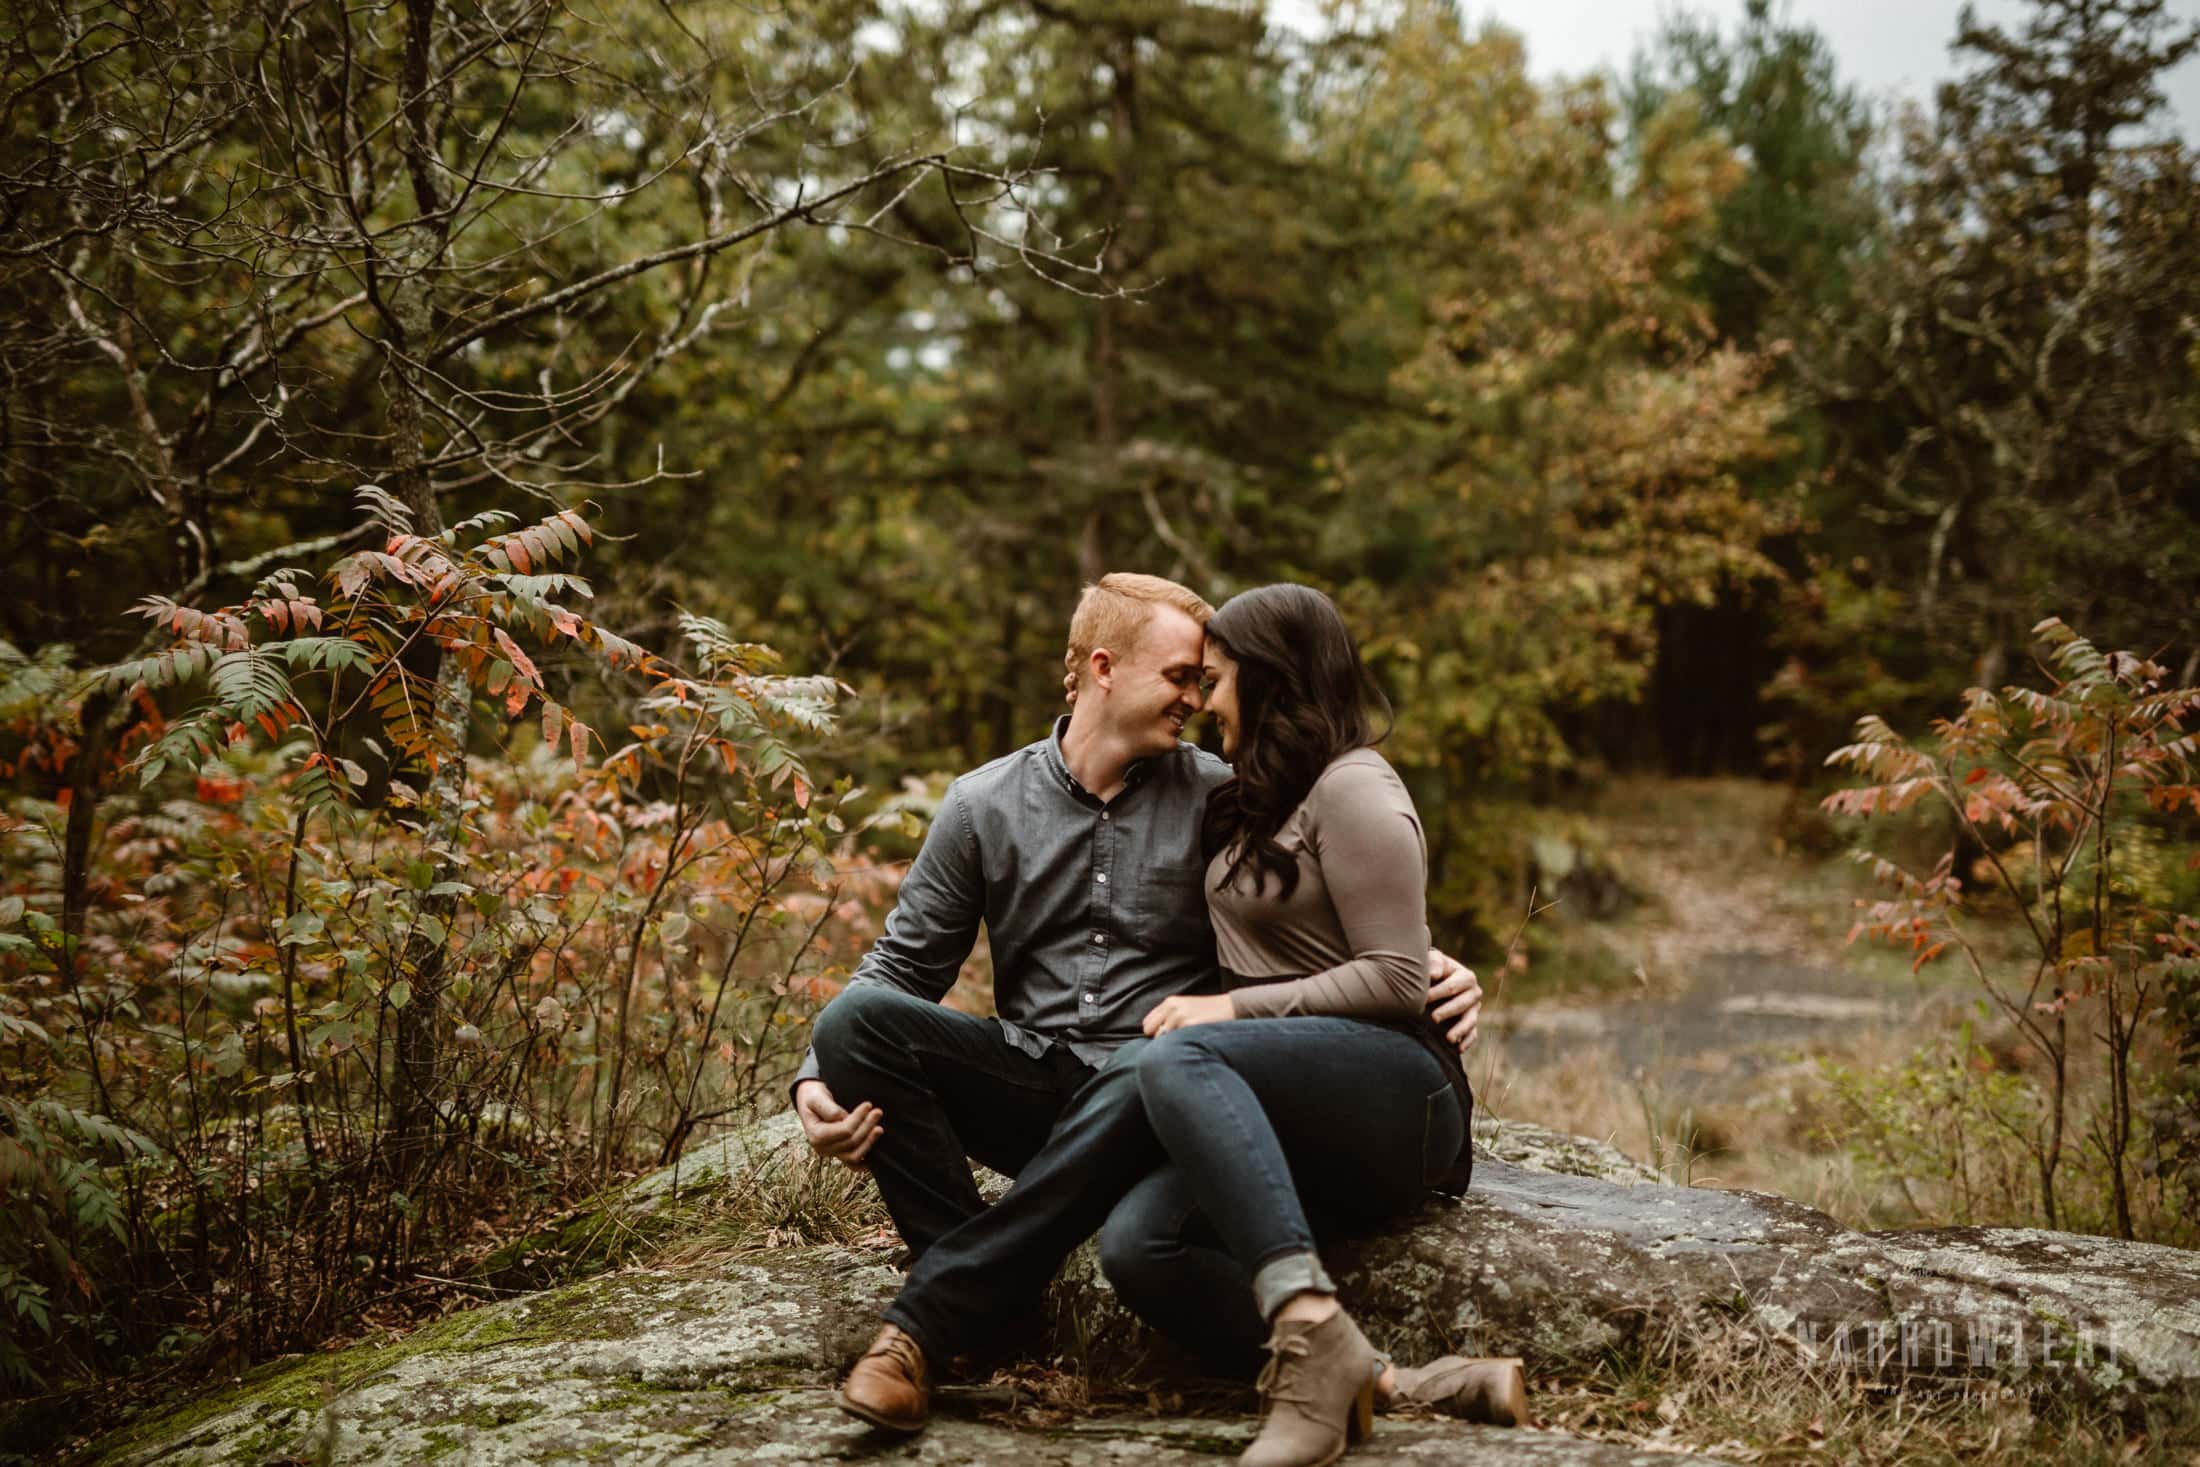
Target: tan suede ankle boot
{"points": [[1318, 1390], [1493, 1392]]}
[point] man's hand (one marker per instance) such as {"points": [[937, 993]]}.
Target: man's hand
{"points": [[847, 1136], [1454, 999], [1187, 1009]]}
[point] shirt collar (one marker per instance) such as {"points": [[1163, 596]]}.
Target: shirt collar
{"points": [[1132, 776]]}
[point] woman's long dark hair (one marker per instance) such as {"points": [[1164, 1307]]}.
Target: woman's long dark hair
{"points": [[1304, 697]]}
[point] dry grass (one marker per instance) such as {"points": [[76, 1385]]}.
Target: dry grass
{"points": [[790, 1199], [1737, 1394], [1724, 890], [1781, 1136]]}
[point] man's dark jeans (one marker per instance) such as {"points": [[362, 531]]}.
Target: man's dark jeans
{"points": [[948, 1086], [1080, 1146]]}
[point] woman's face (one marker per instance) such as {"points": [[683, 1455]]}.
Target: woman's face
{"points": [[1219, 670]]}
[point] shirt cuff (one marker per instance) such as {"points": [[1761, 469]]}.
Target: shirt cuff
{"points": [[807, 1071]]}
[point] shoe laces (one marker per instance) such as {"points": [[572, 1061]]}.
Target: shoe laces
{"points": [[1285, 1354], [903, 1351]]}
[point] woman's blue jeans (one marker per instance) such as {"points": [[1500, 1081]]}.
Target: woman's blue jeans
{"points": [[1278, 1131]]}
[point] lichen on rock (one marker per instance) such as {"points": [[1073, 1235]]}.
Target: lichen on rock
{"points": [[1563, 1250]]}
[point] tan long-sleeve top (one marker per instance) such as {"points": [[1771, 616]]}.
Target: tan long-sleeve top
{"points": [[1352, 938]]}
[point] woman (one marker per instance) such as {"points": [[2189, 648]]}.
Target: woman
{"points": [[1314, 1083]]}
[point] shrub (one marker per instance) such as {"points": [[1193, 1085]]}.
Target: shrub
{"points": [[2066, 802], [337, 946]]}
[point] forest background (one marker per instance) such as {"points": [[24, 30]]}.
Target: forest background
{"points": [[514, 509]]}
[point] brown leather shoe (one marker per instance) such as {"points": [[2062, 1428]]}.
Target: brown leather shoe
{"points": [[890, 1387], [1319, 1392], [1493, 1392]]}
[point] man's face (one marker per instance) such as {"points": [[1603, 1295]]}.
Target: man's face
{"points": [[1154, 686]]}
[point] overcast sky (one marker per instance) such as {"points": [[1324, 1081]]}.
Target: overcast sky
{"points": [[1891, 49]]}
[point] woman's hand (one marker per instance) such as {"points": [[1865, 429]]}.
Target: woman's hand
{"points": [[1454, 999], [1187, 1009]]}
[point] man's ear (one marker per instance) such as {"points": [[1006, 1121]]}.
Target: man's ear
{"points": [[1102, 663]]}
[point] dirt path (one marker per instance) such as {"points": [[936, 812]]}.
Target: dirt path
{"points": [[1736, 955]]}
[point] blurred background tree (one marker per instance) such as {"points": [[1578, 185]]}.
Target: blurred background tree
{"points": [[2009, 401]]}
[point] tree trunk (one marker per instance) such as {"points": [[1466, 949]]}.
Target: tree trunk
{"points": [[1107, 346], [409, 316]]}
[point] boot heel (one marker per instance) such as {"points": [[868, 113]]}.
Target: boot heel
{"points": [[1359, 1424]]}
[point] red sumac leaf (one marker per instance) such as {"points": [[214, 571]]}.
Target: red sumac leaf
{"points": [[518, 656]]}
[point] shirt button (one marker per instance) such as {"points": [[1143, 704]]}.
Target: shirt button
{"points": [[1100, 939], [1103, 814], [1092, 998], [1103, 878]]}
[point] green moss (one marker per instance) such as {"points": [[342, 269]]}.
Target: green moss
{"points": [[280, 1386], [261, 1444], [632, 1393], [576, 1312], [489, 1415], [594, 1309], [439, 1444], [289, 1386]]}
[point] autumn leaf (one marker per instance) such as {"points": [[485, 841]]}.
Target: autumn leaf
{"points": [[518, 656]]}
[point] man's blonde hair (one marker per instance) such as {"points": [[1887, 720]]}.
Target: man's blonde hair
{"points": [[1114, 611]]}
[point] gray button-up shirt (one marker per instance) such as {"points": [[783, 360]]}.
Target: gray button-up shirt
{"points": [[1095, 912]]}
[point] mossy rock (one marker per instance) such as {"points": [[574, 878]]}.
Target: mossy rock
{"points": [[1564, 1251]]}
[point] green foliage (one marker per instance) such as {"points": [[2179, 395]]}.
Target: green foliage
{"points": [[2172, 1111], [1571, 451], [1946, 1132], [61, 1171], [1786, 238], [2010, 401]]}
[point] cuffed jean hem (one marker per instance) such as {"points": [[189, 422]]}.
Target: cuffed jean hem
{"points": [[1285, 1275]]}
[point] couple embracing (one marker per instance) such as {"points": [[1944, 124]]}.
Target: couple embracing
{"points": [[1222, 1035]]}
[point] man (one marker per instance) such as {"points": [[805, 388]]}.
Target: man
{"points": [[1081, 854]]}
